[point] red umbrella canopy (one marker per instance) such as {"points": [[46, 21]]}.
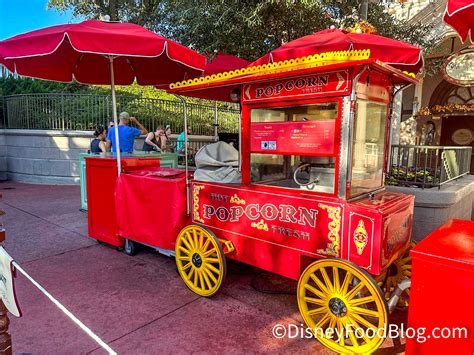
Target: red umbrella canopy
{"points": [[399, 54], [459, 15], [224, 62], [81, 51]]}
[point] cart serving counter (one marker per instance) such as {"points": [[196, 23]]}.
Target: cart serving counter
{"points": [[311, 204]]}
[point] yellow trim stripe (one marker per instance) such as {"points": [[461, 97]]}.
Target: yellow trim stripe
{"points": [[310, 61]]}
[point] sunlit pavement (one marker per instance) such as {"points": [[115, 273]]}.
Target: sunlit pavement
{"points": [[135, 304]]}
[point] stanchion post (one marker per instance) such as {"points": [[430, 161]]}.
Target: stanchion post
{"points": [[5, 337]]}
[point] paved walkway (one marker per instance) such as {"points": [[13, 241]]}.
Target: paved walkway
{"points": [[136, 304]]}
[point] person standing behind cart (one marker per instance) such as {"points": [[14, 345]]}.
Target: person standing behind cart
{"points": [[153, 140], [165, 139], [180, 142], [98, 143], [126, 133]]}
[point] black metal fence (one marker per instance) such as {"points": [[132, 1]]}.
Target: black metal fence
{"points": [[427, 166], [85, 112]]}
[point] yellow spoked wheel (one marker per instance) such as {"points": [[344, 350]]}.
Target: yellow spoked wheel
{"points": [[200, 260], [398, 271], [343, 306]]}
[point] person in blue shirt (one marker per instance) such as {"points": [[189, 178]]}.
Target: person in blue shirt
{"points": [[126, 133]]}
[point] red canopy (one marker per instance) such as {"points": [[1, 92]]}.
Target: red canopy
{"points": [[81, 52], [459, 15], [398, 54], [224, 62]]}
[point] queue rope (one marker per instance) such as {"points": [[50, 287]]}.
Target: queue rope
{"points": [[66, 311]]}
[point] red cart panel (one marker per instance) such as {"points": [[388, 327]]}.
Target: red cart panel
{"points": [[280, 231], [152, 206], [442, 290], [101, 179]]}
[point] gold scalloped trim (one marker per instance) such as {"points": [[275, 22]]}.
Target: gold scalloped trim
{"points": [[310, 61], [413, 75]]}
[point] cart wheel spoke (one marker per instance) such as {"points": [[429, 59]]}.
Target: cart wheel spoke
{"points": [[189, 237], [210, 252], [314, 301], [341, 333], [317, 311], [206, 279], [362, 300], [362, 321], [365, 312], [195, 239], [200, 260], [350, 331], [328, 283], [195, 280], [210, 275], [212, 268], [201, 280], [346, 298], [206, 245], [322, 321], [357, 288], [319, 283], [186, 267], [335, 277], [186, 246], [183, 250], [191, 272], [347, 281], [314, 291], [201, 241]]}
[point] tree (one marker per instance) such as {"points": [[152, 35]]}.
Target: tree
{"points": [[141, 12], [248, 28]]}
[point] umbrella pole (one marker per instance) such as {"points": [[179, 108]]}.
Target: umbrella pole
{"points": [[114, 113], [186, 167]]}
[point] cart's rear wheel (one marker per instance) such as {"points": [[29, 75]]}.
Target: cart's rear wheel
{"points": [[398, 271], [338, 295], [200, 260]]}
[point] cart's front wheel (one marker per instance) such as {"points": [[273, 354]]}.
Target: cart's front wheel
{"points": [[343, 306], [200, 260]]}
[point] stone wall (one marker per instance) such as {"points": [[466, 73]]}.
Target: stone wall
{"points": [[433, 207], [46, 157]]}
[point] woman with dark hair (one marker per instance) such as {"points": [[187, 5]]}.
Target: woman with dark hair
{"points": [[98, 143], [153, 140]]}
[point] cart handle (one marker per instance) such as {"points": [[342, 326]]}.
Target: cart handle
{"points": [[228, 246]]}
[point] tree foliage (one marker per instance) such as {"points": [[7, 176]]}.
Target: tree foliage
{"points": [[141, 12], [248, 28]]}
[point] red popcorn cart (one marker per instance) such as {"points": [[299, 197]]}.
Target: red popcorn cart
{"points": [[306, 199], [311, 204]]}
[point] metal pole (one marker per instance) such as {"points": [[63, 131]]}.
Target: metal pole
{"points": [[186, 168], [364, 8], [114, 112], [215, 121]]}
